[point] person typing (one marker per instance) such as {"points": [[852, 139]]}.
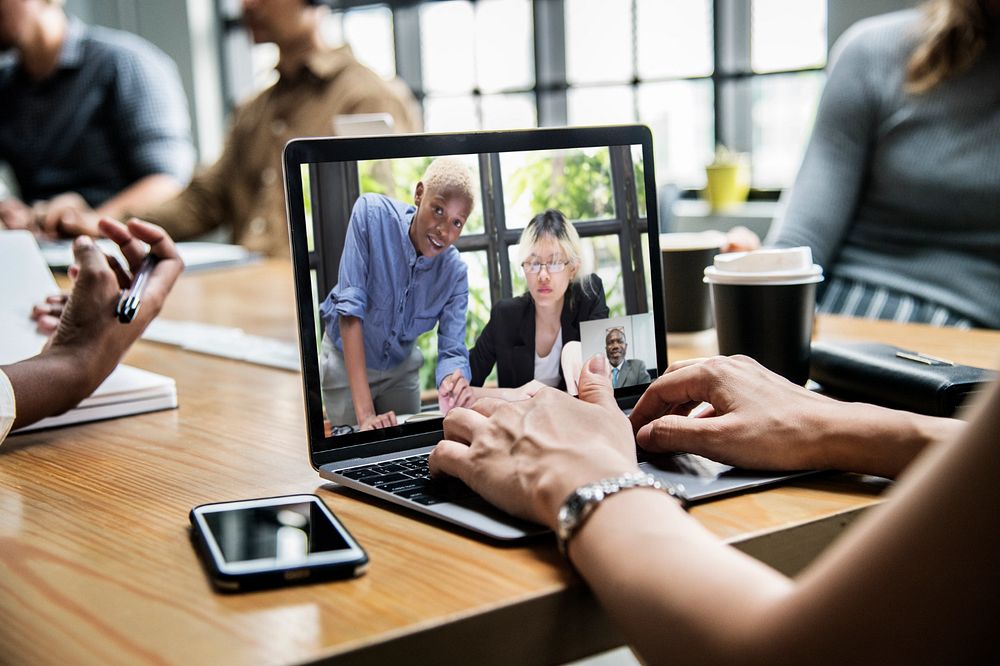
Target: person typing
{"points": [[94, 121], [676, 591]]}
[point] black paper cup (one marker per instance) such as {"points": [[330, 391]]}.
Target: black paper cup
{"points": [[764, 304], [770, 323], [687, 302]]}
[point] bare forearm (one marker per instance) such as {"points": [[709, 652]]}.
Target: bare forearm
{"points": [[675, 591], [874, 440], [352, 335], [140, 195], [32, 381]]}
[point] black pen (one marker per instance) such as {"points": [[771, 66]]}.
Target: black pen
{"points": [[131, 298]]}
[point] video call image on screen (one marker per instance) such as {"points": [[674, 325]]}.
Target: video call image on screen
{"points": [[430, 294]]}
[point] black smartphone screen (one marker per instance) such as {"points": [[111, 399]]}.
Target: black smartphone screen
{"points": [[285, 534]]}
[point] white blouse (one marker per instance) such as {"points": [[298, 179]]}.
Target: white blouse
{"points": [[6, 406], [547, 367]]}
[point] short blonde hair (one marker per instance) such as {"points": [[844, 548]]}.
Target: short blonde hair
{"points": [[551, 224], [449, 177]]}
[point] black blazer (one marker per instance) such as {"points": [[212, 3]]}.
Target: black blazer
{"points": [[508, 341]]}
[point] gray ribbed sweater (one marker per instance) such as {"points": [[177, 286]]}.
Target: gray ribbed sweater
{"points": [[902, 190]]}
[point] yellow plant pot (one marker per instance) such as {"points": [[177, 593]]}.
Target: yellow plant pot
{"points": [[726, 185]]}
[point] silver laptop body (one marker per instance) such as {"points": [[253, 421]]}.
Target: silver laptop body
{"points": [[325, 177]]}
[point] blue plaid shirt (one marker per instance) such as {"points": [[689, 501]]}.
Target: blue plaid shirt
{"points": [[113, 112], [398, 294]]}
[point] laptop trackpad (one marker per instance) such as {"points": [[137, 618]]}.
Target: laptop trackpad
{"points": [[481, 516], [694, 477]]}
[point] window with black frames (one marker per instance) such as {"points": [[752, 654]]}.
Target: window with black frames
{"points": [[741, 73]]}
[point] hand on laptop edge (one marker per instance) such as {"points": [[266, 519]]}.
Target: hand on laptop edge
{"points": [[759, 420], [526, 457]]}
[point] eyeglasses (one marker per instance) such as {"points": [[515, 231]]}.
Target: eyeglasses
{"points": [[552, 266]]}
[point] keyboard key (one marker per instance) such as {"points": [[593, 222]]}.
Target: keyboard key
{"points": [[359, 472], [410, 478], [426, 500], [380, 481], [449, 489], [412, 492], [399, 487]]}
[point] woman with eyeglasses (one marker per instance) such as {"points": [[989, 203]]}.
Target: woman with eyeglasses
{"points": [[525, 334]]}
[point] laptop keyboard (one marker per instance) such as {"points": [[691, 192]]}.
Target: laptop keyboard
{"points": [[409, 478]]}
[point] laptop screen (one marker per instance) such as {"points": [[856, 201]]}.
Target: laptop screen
{"points": [[431, 270]]}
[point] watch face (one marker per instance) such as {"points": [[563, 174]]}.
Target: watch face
{"points": [[578, 500], [564, 525], [577, 506]]}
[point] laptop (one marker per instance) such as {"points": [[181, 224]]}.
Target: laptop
{"points": [[601, 178], [363, 124]]}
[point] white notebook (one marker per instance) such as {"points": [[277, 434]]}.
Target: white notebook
{"points": [[25, 279], [126, 391]]}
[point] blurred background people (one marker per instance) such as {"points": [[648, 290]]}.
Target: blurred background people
{"points": [[243, 191], [93, 121], [897, 195]]}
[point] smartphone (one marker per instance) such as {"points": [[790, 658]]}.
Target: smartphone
{"points": [[274, 541]]}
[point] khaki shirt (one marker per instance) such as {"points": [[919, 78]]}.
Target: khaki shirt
{"points": [[244, 189]]}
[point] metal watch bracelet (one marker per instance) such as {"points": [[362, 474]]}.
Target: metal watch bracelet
{"points": [[581, 502]]}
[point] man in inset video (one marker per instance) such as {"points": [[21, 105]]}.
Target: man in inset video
{"points": [[623, 372]]}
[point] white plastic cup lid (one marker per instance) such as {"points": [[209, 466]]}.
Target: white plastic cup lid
{"points": [[793, 265], [699, 240]]}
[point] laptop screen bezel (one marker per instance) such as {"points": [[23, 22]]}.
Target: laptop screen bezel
{"points": [[336, 448]]}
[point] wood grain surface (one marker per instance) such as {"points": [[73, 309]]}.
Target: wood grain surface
{"points": [[96, 564]]}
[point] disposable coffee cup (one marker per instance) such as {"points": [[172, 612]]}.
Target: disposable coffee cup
{"points": [[764, 304], [684, 256]]}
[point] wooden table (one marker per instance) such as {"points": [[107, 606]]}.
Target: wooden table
{"points": [[96, 566]]}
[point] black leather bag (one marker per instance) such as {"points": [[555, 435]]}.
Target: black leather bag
{"points": [[886, 375]]}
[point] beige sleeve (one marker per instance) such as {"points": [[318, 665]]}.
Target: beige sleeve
{"points": [[372, 94], [8, 406], [204, 204]]}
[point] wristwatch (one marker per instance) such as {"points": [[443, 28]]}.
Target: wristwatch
{"points": [[581, 502]]}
